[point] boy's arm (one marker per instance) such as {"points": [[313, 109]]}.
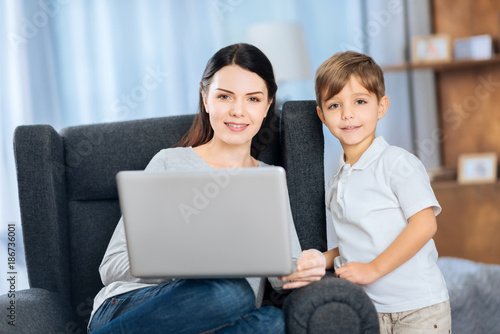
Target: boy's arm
{"points": [[420, 229], [330, 256]]}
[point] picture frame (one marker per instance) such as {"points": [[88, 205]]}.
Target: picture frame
{"points": [[477, 168], [431, 49], [475, 48]]}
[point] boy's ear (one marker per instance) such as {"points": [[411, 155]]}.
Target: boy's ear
{"points": [[382, 106], [320, 114]]}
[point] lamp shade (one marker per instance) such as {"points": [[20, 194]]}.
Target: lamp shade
{"points": [[284, 45]]}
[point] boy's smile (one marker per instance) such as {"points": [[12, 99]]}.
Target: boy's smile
{"points": [[352, 116]]}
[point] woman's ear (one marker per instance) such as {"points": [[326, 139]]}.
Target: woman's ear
{"points": [[269, 104], [204, 99], [383, 104]]}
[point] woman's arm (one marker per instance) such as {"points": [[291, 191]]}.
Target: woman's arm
{"points": [[115, 265], [420, 229]]}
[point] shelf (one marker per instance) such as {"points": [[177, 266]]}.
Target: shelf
{"points": [[447, 184], [443, 66]]}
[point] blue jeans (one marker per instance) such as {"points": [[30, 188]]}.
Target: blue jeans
{"points": [[188, 306]]}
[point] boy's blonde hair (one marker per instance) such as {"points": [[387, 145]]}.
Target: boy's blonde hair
{"points": [[333, 74]]}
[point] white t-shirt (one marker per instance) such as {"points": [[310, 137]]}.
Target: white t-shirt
{"points": [[370, 203]]}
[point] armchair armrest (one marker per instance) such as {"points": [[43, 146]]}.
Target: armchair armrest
{"points": [[332, 305], [39, 155], [36, 311]]}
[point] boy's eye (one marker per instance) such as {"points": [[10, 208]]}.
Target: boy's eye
{"points": [[360, 102], [334, 106]]}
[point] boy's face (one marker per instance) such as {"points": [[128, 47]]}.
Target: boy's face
{"points": [[352, 115]]}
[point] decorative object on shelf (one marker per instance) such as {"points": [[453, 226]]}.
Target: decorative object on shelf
{"points": [[477, 168], [432, 48], [475, 47]]}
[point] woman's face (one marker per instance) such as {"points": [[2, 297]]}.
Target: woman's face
{"points": [[237, 102]]}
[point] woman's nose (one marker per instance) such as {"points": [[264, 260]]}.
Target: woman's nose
{"points": [[237, 109]]}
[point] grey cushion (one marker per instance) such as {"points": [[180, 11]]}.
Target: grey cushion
{"points": [[474, 290], [332, 305], [95, 153], [303, 151], [93, 223]]}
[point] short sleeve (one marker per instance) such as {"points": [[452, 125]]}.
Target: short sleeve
{"points": [[410, 182], [158, 163]]}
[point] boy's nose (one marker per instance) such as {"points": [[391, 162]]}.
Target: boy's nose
{"points": [[347, 113]]}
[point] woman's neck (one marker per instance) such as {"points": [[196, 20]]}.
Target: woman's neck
{"points": [[225, 156]]}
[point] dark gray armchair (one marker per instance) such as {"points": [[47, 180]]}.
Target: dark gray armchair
{"points": [[69, 209]]}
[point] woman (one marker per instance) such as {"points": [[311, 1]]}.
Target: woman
{"points": [[236, 94]]}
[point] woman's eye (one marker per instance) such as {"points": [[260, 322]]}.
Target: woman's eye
{"points": [[223, 97], [254, 99]]}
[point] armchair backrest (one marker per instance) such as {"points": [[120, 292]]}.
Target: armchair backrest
{"points": [[69, 202]]}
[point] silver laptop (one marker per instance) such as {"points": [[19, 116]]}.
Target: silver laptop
{"points": [[212, 224]]}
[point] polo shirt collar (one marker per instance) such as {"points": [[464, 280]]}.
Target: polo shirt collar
{"points": [[371, 154]]}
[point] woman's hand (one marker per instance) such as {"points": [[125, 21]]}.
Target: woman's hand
{"points": [[359, 273], [310, 268]]}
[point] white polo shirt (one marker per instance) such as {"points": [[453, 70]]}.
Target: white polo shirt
{"points": [[370, 203]]}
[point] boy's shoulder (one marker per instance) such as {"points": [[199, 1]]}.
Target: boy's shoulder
{"points": [[401, 162], [392, 152], [381, 149]]}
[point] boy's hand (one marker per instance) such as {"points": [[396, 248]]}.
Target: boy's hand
{"points": [[359, 273], [310, 268]]}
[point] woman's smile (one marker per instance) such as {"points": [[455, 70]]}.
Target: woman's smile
{"points": [[236, 127]]}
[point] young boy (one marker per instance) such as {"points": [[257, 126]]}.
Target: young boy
{"points": [[383, 207]]}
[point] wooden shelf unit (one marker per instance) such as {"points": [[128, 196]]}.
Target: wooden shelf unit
{"points": [[468, 94], [469, 108], [444, 66]]}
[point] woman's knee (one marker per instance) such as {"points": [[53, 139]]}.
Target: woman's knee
{"points": [[232, 293], [224, 294]]}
